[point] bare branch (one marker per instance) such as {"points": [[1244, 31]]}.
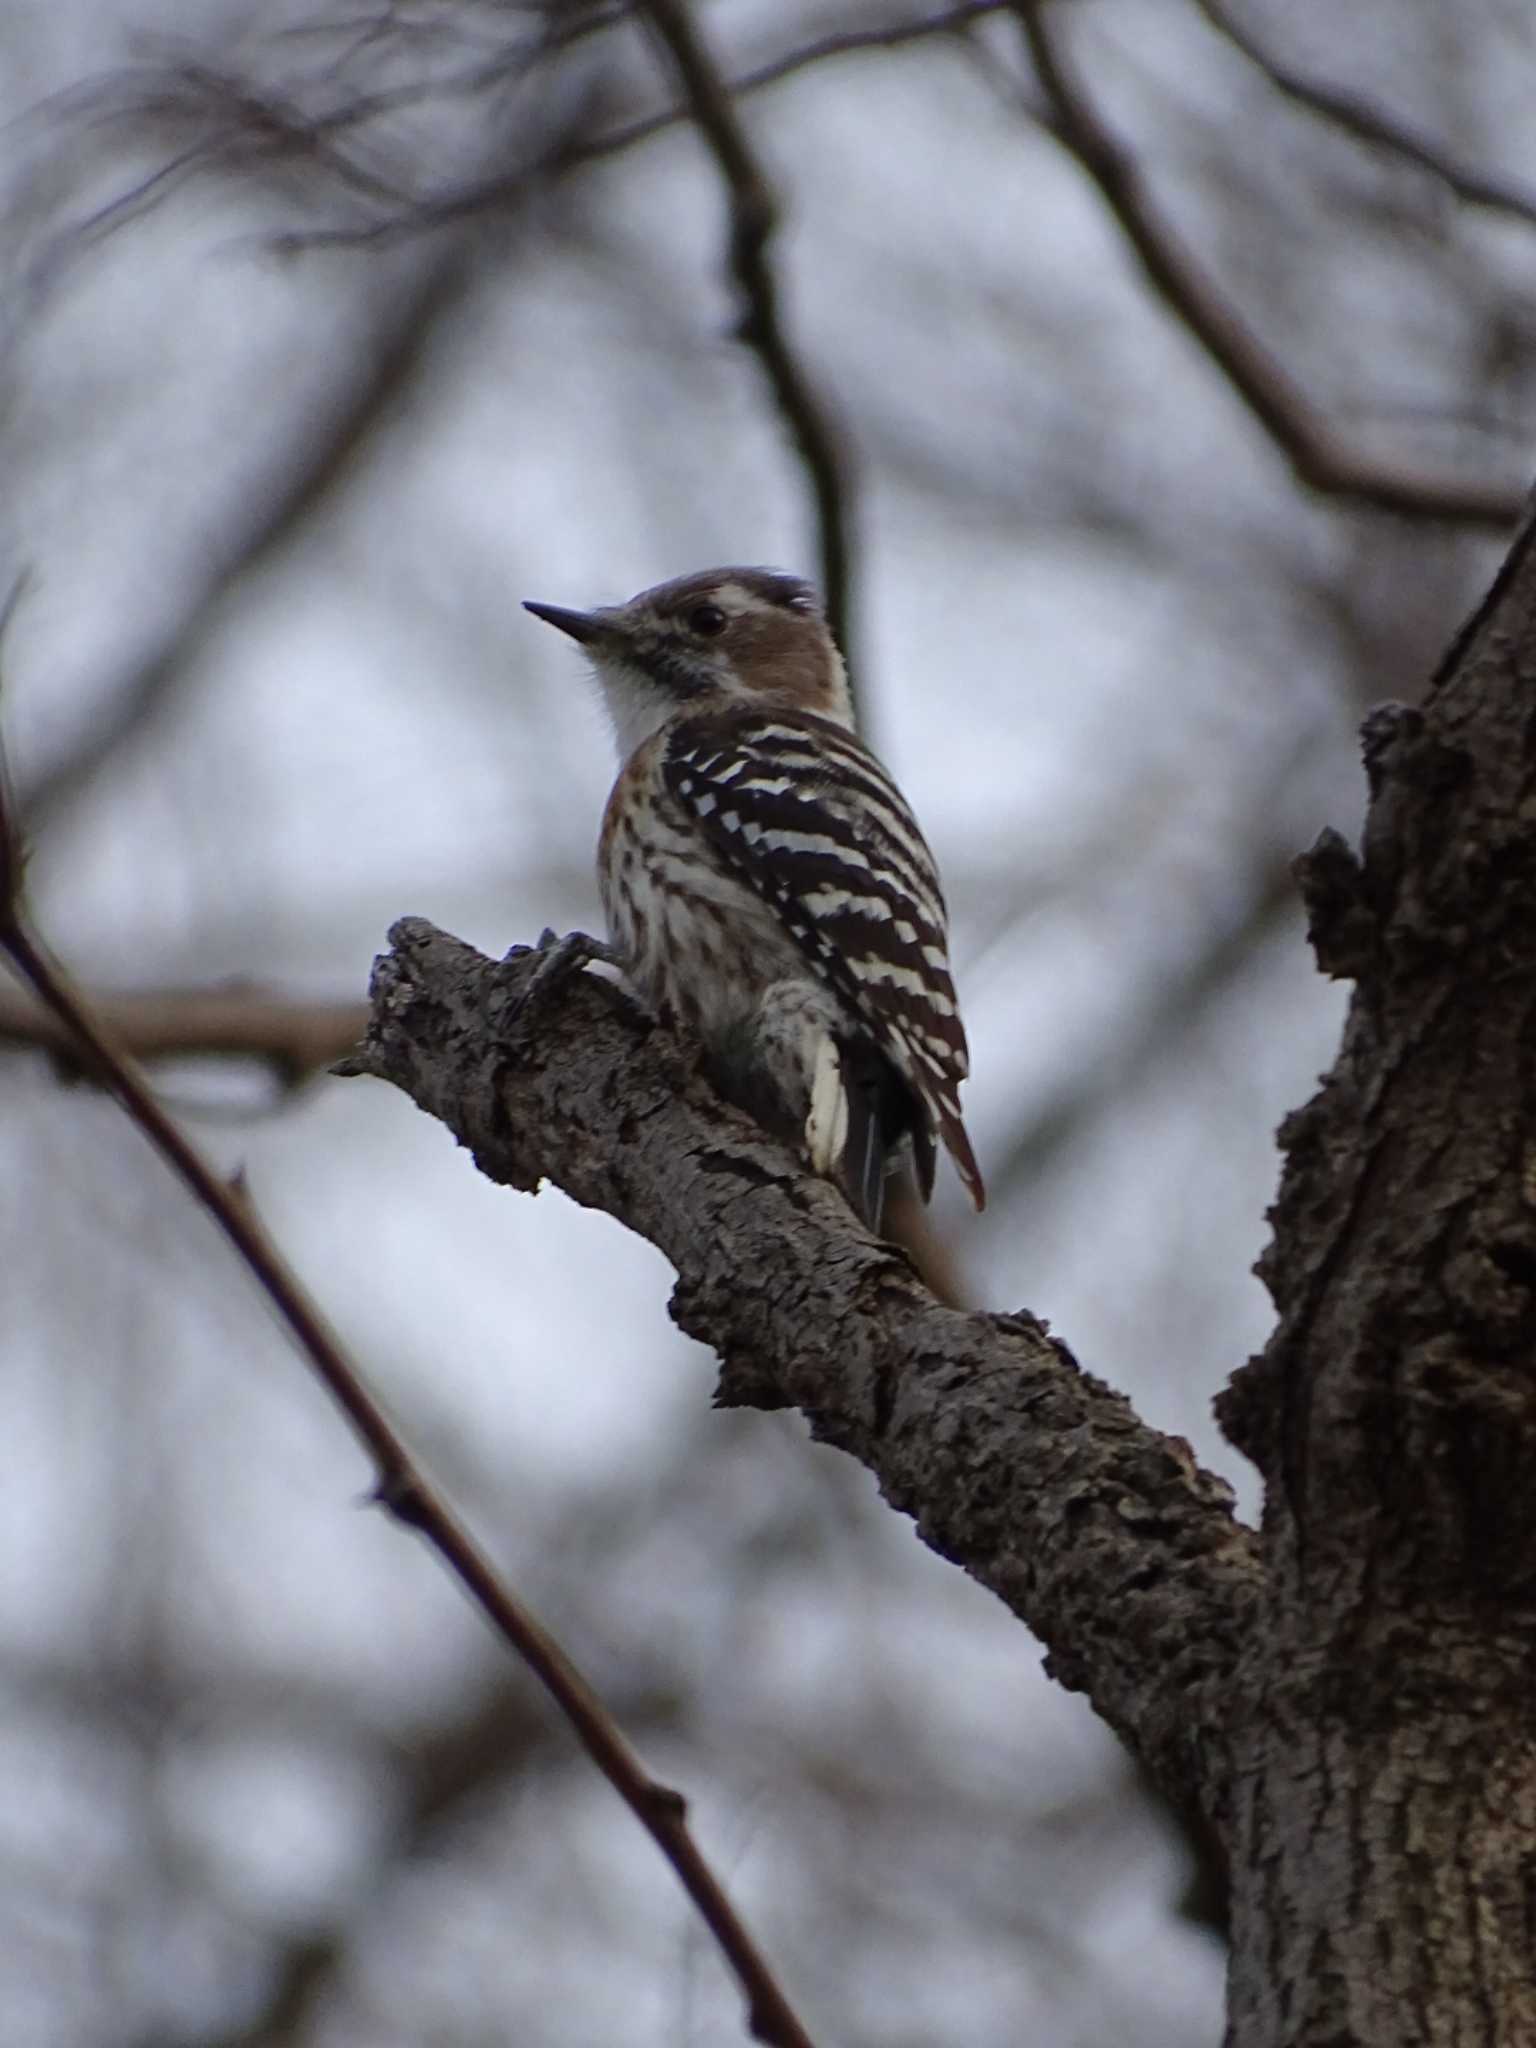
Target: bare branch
{"points": [[295, 1038], [298, 1039], [1367, 123], [434, 210], [754, 212], [401, 1486], [233, 122], [1101, 1534], [951, 21], [327, 450], [236, 124], [1320, 459]]}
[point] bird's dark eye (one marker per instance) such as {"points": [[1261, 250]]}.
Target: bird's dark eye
{"points": [[707, 619]]}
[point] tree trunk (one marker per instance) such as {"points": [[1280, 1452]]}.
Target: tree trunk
{"points": [[1384, 1755], [1345, 1696]]}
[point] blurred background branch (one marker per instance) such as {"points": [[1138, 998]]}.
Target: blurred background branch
{"points": [[296, 1039], [400, 1485], [754, 214], [1370, 124], [1322, 459]]}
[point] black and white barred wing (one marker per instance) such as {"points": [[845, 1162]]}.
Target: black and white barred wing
{"points": [[809, 818]]}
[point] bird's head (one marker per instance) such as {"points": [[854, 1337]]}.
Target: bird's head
{"points": [[732, 635]]}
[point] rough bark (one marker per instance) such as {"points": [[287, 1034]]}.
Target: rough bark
{"points": [[1106, 1537], [1345, 1697], [1383, 1850]]}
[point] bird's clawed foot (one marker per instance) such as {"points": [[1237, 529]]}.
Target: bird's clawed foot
{"points": [[561, 957]]}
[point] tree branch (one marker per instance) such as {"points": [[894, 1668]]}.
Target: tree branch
{"points": [[1367, 123], [754, 210], [950, 21], [1101, 1534], [401, 1486], [1320, 459], [295, 1038], [476, 197]]}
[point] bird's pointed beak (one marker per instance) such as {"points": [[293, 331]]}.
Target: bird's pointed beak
{"points": [[587, 627]]}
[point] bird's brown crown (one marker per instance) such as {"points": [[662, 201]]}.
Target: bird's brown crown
{"points": [[756, 635]]}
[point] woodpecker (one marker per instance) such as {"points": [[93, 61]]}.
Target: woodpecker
{"points": [[764, 882]]}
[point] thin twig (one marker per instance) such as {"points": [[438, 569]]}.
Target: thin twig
{"points": [[1283, 410], [296, 1040], [295, 1037], [754, 212], [1279, 405], [1367, 123], [446, 206], [843, 43], [177, 93], [400, 1485]]}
